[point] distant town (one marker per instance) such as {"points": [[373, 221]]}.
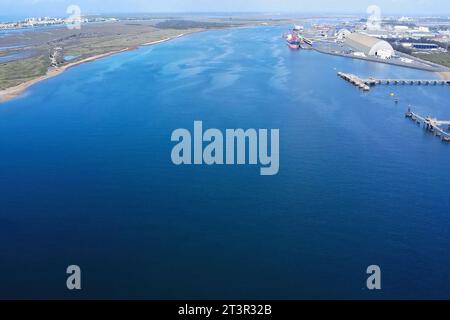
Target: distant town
{"points": [[48, 21], [427, 38]]}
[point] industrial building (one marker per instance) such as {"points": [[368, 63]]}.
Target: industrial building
{"points": [[342, 33], [425, 46], [56, 56], [368, 45]]}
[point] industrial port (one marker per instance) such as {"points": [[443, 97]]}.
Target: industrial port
{"points": [[414, 42], [440, 128]]}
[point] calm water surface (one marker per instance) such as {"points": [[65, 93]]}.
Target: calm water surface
{"points": [[86, 178]]}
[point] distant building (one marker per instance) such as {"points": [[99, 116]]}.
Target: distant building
{"points": [[425, 46], [423, 29], [406, 60], [56, 56], [406, 19], [401, 28], [359, 54], [370, 46], [421, 46], [342, 34]]}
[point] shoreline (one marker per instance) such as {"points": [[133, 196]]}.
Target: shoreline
{"points": [[16, 91], [445, 75], [427, 68]]}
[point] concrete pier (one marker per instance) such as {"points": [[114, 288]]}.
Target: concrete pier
{"points": [[430, 124], [365, 84], [355, 80], [373, 81]]}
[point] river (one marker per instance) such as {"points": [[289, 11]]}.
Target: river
{"points": [[86, 178]]}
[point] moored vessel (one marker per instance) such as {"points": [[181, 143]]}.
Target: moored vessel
{"points": [[293, 39]]}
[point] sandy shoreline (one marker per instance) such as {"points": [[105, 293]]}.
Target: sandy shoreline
{"points": [[13, 92], [163, 40], [445, 75]]}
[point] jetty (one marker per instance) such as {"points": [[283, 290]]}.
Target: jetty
{"points": [[374, 81], [431, 124], [365, 84], [355, 80]]}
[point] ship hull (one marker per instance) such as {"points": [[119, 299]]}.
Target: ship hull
{"points": [[294, 46]]}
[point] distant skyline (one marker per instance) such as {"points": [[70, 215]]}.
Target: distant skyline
{"points": [[388, 7]]}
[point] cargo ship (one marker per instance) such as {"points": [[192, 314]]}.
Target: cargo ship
{"points": [[294, 39]]}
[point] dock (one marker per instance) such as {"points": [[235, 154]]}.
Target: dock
{"points": [[431, 124], [365, 84], [308, 41], [374, 81], [355, 80]]}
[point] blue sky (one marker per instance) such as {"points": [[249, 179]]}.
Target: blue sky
{"points": [[57, 7]]}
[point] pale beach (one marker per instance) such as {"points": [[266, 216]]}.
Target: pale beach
{"points": [[444, 75]]}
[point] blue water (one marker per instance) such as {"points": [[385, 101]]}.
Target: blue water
{"points": [[86, 178], [12, 18], [15, 56], [68, 58], [2, 48], [7, 32]]}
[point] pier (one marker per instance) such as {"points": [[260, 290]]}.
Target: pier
{"points": [[431, 124], [365, 84], [373, 82], [308, 41], [355, 80]]}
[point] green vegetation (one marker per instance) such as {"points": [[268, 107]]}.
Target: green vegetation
{"points": [[439, 58], [16, 72], [442, 58], [89, 47], [187, 24], [97, 38]]}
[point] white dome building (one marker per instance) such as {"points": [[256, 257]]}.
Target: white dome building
{"points": [[342, 34], [370, 46]]}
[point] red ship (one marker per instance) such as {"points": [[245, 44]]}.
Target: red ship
{"points": [[294, 40]]}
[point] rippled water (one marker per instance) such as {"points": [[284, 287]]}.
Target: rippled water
{"points": [[86, 178], [15, 56]]}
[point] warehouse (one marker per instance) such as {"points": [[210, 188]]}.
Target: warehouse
{"points": [[370, 46]]}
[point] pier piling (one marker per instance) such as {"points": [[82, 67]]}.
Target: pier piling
{"points": [[431, 124], [365, 84]]}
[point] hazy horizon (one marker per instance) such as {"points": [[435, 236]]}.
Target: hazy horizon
{"points": [[388, 7]]}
